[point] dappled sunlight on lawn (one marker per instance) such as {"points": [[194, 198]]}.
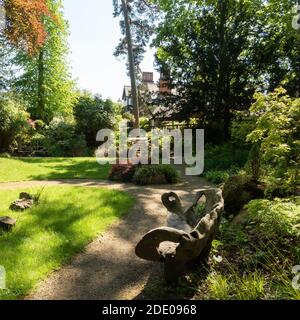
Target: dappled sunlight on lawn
{"points": [[49, 234]]}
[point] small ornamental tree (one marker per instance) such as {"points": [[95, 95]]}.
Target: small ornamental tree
{"points": [[277, 132]]}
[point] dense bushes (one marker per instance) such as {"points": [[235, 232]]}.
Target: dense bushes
{"points": [[144, 174], [13, 122], [61, 139], [277, 134], [92, 114], [62, 136], [145, 124], [216, 176], [258, 255], [276, 220], [224, 157], [265, 144], [222, 161], [156, 174], [238, 191]]}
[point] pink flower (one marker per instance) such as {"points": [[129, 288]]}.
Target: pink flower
{"points": [[31, 123]]}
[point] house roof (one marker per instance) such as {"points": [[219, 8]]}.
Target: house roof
{"points": [[151, 86], [126, 92], [164, 113]]}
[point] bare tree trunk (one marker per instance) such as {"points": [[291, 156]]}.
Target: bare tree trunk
{"points": [[134, 91], [40, 112]]}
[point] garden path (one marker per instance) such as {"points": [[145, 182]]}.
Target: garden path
{"points": [[108, 267]]}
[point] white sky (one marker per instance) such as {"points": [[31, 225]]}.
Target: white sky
{"points": [[94, 35]]}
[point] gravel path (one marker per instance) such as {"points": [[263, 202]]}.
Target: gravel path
{"points": [[108, 267]]}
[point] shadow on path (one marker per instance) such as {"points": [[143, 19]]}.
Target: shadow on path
{"points": [[108, 267]]}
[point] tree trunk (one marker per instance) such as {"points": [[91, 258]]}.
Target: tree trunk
{"points": [[222, 88], [40, 112], [134, 92], [226, 123]]}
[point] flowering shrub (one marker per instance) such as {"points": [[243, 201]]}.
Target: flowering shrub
{"points": [[122, 172]]}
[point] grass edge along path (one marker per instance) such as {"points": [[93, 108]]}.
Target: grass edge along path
{"points": [[51, 233]]}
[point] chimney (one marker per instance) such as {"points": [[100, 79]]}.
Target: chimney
{"points": [[147, 77]]}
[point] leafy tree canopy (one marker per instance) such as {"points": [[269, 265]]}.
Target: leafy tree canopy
{"points": [[24, 23], [219, 52]]}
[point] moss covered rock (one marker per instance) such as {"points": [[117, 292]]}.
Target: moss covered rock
{"points": [[238, 191]]}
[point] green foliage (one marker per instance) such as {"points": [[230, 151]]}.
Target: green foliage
{"points": [[219, 287], [238, 191], [257, 255], [13, 122], [47, 236], [45, 81], [208, 50], [242, 125], [236, 287], [225, 157], [6, 65], [145, 123], [253, 166], [61, 139], [5, 155], [266, 245], [277, 131], [93, 114], [251, 287], [200, 210], [156, 174], [216, 176], [142, 15], [277, 219]]}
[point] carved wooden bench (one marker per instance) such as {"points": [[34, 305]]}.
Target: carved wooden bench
{"points": [[186, 239]]}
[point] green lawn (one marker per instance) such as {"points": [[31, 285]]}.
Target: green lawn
{"points": [[48, 235], [22, 169]]}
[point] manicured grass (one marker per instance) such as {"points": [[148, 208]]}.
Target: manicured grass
{"points": [[48, 235], [23, 169]]}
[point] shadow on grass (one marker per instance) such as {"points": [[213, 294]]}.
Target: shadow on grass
{"points": [[51, 233], [67, 168]]}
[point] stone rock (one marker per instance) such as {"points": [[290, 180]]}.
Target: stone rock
{"points": [[25, 195], [21, 204], [241, 218], [7, 223], [238, 191]]}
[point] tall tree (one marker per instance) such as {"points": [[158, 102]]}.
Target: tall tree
{"points": [[218, 52], [134, 91], [7, 54], [137, 27], [45, 81], [24, 23]]}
